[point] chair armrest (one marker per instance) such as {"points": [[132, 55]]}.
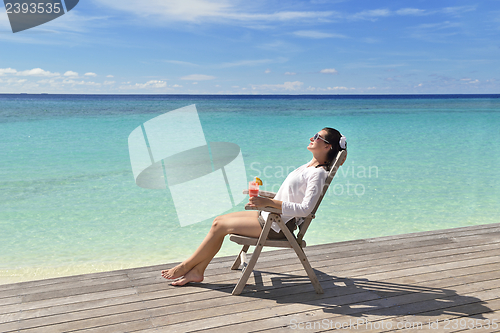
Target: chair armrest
{"points": [[265, 209], [265, 194], [272, 210]]}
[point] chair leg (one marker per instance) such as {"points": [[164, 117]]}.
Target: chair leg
{"points": [[302, 257], [247, 271], [309, 270], [255, 255], [238, 260]]}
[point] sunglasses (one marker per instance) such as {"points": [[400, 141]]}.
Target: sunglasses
{"points": [[317, 136]]}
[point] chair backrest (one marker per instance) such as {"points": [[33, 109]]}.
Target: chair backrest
{"points": [[336, 163]]}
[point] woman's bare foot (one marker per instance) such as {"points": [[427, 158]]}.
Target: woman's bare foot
{"points": [[191, 276], [175, 273]]}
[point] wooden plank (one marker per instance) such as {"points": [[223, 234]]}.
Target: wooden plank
{"points": [[190, 316], [73, 300], [301, 293], [372, 310], [65, 284], [398, 238], [356, 255], [440, 321], [58, 280], [329, 262], [139, 300]]}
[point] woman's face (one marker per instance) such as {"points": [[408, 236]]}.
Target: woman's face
{"points": [[318, 144]]}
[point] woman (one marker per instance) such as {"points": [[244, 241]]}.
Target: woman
{"points": [[296, 197]]}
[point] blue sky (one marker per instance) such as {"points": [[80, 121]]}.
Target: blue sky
{"points": [[257, 47]]}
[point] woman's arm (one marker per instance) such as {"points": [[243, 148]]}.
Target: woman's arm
{"points": [[302, 206], [260, 203]]}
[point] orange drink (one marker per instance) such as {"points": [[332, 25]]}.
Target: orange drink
{"points": [[253, 189]]}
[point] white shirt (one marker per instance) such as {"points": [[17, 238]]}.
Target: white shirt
{"points": [[299, 193]]}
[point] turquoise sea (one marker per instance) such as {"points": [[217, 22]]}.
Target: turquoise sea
{"points": [[69, 203]]}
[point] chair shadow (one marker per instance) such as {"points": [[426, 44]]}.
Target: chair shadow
{"points": [[359, 297]]}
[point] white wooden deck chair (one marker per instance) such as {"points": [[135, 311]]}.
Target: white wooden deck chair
{"points": [[291, 241]]}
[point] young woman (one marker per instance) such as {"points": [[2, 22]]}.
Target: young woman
{"points": [[295, 198]]}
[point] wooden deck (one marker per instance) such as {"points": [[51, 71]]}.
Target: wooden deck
{"points": [[439, 281]]}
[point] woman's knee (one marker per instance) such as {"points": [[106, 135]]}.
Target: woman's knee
{"points": [[218, 224]]}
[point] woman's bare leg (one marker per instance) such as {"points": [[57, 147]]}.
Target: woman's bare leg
{"points": [[242, 223]]}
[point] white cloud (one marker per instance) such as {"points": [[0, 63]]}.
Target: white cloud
{"points": [[180, 10], [371, 14], [282, 16], [198, 77], [155, 84], [9, 70], [453, 11], [411, 11], [339, 88], [247, 63], [331, 89], [71, 74], [378, 13], [74, 22], [178, 62], [200, 11], [290, 73], [329, 71], [82, 82], [46, 81], [438, 26], [38, 78], [456, 11], [317, 34], [239, 11], [435, 32], [287, 86], [36, 72], [15, 81], [280, 46], [109, 76], [267, 71]]}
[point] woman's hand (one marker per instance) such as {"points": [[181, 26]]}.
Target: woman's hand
{"points": [[257, 202], [260, 202]]}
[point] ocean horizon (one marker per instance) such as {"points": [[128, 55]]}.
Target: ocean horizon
{"points": [[323, 96], [70, 205]]}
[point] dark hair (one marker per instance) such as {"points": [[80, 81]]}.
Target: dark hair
{"points": [[333, 137]]}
